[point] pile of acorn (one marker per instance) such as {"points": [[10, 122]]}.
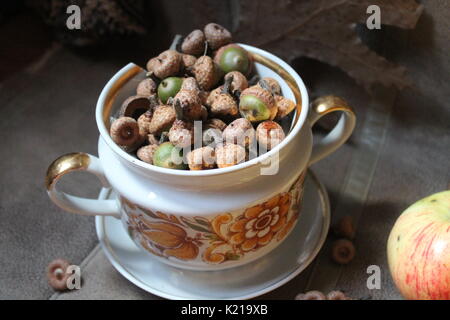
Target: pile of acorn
{"points": [[209, 81]]}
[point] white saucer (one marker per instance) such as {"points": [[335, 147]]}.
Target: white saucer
{"points": [[245, 282]]}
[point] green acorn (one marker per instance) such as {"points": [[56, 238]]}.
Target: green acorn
{"points": [[162, 156], [233, 57], [257, 104], [169, 87]]}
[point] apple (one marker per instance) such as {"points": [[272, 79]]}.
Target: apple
{"points": [[419, 249]]}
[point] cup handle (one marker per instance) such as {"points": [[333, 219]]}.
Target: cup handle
{"points": [[340, 133], [79, 162]]}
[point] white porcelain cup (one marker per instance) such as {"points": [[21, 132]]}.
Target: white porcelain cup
{"points": [[211, 219]]}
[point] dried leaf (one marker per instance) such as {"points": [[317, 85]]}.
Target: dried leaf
{"points": [[325, 30]]}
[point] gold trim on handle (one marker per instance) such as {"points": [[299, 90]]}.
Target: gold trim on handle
{"points": [[327, 104], [65, 164]]}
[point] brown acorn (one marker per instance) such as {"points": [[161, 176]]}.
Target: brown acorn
{"points": [[233, 57], [146, 87], [205, 113], [216, 35], [239, 82], [284, 106], [190, 104], [144, 122], [162, 119], [212, 132], [125, 132], [228, 155], [167, 64], [215, 123], [273, 84], [212, 137], [213, 94], [187, 62], [240, 131], [146, 153], [134, 106], [257, 104], [194, 43], [204, 96], [269, 134], [206, 72], [190, 84], [224, 103], [152, 139], [181, 134], [202, 158]]}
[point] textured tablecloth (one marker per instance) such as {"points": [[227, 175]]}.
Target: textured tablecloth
{"points": [[398, 154]]}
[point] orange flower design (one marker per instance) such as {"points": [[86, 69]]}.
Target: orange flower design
{"points": [[225, 237], [257, 226]]}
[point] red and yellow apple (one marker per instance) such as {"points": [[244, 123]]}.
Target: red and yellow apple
{"points": [[419, 249]]}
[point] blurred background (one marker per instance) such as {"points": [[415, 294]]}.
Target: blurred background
{"points": [[50, 78]]}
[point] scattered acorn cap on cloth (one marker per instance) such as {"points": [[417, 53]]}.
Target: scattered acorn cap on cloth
{"points": [[345, 227], [311, 295], [343, 251], [318, 295], [210, 80], [57, 275]]}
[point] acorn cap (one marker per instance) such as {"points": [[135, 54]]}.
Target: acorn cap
{"points": [[125, 131], [201, 158], [206, 72], [134, 106], [146, 153], [213, 95], [187, 61], [167, 64], [264, 96], [162, 119], [215, 124], [144, 122], [228, 155], [239, 82], [181, 134], [224, 105], [194, 43], [190, 103], [216, 35], [190, 84], [273, 84], [240, 131], [269, 134], [146, 87], [284, 106]]}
